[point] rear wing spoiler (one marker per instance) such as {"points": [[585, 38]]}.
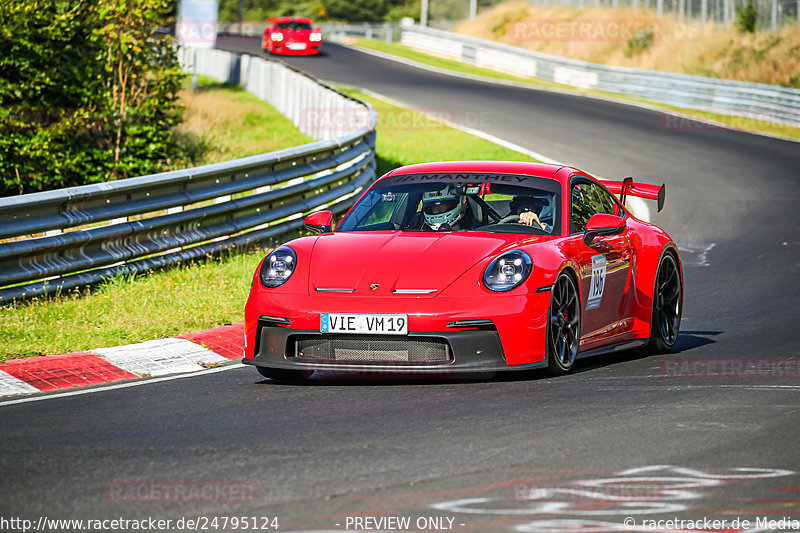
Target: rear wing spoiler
{"points": [[640, 190]]}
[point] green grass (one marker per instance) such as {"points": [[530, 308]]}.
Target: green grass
{"points": [[212, 293], [448, 64], [130, 309]]}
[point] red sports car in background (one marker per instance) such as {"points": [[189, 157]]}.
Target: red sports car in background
{"points": [[291, 36], [468, 266]]}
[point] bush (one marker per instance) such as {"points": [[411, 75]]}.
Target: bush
{"points": [[746, 17], [399, 11], [88, 92], [641, 41], [355, 10]]}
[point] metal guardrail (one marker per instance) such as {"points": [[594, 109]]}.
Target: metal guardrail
{"points": [[337, 31], [769, 103], [331, 31], [57, 240]]}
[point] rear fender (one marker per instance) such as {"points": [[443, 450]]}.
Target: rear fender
{"points": [[648, 253]]}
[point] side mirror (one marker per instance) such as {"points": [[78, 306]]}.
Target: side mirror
{"points": [[600, 225], [321, 222]]}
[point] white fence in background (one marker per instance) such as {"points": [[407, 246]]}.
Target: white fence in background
{"points": [[317, 110], [758, 101]]}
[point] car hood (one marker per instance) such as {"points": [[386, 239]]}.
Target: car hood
{"points": [[397, 260]]}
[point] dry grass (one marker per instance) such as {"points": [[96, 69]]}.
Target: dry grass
{"points": [[225, 122], [609, 36]]}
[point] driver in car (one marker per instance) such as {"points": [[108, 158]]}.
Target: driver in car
{"points": [[528, 209], [443, 211]]}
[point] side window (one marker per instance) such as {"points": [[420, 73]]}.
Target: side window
{"points": [[584, 204], [609, 205], [589, 199]]}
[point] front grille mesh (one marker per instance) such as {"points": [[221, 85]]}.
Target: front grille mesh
{"points": [[366, 349]]}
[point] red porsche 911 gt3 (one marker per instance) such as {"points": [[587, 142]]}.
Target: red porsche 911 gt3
{"points": [[291, 36], [468, 266]]}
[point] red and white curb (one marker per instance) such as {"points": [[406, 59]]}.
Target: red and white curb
{"points": [[175, 355]]}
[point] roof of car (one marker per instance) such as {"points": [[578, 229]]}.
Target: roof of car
{"points": [[542, 170], [291, 19]]}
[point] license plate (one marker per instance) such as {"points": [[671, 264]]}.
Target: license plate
{"points": [[296, 46], [367, 324]]}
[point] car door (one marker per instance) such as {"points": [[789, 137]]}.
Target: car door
{"points": [[604, 266]]}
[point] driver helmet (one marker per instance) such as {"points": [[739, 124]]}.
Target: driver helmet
{"points": [[522, 203], [442, 207]]}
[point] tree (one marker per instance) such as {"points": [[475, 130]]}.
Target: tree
{"points": [[355, 10], [746, 17], [88, 92]]}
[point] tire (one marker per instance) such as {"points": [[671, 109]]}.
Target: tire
{"points": [[667, 306], [563, 326], [283, 374]]}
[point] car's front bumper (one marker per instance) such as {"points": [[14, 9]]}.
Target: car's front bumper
{"points": [[509, 334], [472, 350], [310, 49]]}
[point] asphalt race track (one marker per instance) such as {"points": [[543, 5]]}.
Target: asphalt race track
{"points": [[625, 437]]}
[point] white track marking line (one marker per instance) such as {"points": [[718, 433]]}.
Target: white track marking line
{"points": [[120, 385], [160, 357], [637, 206], [522, 85], [11, 385], [471, 131]]}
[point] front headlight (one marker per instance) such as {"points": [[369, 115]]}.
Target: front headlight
{"points": [[315, 37], [278, 267], [508, 271], [276, 36]]}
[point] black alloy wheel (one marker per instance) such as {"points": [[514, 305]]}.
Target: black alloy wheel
{"points": [[564, 325]]}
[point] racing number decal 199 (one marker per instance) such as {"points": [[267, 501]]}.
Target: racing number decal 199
{"points": [[598, 282]]}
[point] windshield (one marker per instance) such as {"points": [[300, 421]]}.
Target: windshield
{"points": [[458, 202], [293, 26]]}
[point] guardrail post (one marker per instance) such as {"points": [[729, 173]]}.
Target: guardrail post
{"points": [[774, 21], [194, 69]]}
